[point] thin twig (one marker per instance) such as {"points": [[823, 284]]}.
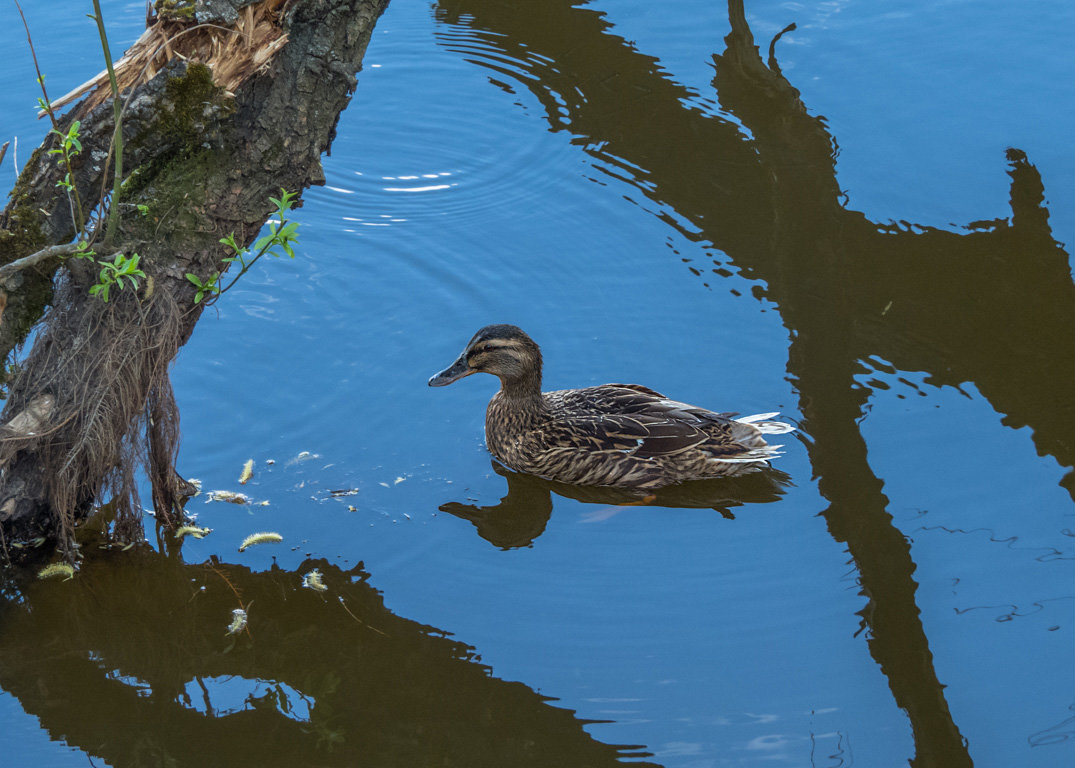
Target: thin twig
{"points": [[117, 133], [246, 265], [239, 597], [73, 198], [51, 252], [368, 626], [3, 151]]}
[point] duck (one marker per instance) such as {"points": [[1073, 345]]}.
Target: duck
{"points": [[616, 435]]}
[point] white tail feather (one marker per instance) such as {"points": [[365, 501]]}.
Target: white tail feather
{"points": [[760, 421]]}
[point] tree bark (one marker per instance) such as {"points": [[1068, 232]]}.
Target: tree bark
{"points": [[92, 400]]}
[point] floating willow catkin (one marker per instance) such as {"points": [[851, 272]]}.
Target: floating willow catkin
{"points": [[260, 538], [56, 569], [193, 530], [247, 473]]}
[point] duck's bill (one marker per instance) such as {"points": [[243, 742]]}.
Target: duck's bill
{"points": [[454, 372]]}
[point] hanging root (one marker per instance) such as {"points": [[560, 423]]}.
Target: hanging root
{"points": [[96, 390]]}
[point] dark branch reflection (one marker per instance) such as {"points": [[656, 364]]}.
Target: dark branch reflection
{"points": [[522, 514], [966, 306], [130, 662]]}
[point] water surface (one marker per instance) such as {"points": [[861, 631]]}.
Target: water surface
{"points": [[868, 237]]}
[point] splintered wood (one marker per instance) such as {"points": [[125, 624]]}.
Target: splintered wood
{"points": [[232, 53]]}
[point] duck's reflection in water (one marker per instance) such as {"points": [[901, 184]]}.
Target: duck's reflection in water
{"points": [[521, 516]]}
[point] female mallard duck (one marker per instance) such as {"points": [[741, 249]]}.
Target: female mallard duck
{"points": [[621, 435]]}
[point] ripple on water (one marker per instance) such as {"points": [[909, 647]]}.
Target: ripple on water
{"points": [[434, 160]]}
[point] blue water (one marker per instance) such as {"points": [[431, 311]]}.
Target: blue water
{"points": [[456, 198]]}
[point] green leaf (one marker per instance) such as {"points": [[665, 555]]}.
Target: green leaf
{"points": [[230, 242], [131, 266]]}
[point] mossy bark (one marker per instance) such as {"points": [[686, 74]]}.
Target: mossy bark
{"points": [[203, 164]]}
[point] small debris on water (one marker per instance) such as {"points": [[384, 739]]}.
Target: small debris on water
{"points": [[247, 473], [303, 456], [193, 530], [341, 492], [229, 496], [312, 580], [238, 622]]}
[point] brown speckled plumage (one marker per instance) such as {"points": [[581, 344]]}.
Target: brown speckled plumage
{"points": [[620, 435]]}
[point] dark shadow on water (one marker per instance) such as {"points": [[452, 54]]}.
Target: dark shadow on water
{"points": [[521, 515], [991, 303], [130, 663]]}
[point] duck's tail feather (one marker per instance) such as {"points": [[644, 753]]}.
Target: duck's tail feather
{"points": [[763, 423]]}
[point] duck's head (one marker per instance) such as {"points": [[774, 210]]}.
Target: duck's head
{"points": [[502, 350]]}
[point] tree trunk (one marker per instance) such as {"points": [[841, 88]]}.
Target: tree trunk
{"points": [[92, 400]]}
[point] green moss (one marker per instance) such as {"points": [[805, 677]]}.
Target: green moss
{"points": [[25, 231], [172, 190], [175, 9], [188, 97], [182, 124]]}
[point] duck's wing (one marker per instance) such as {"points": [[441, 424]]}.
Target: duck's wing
{"points": [[641, 422]]}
